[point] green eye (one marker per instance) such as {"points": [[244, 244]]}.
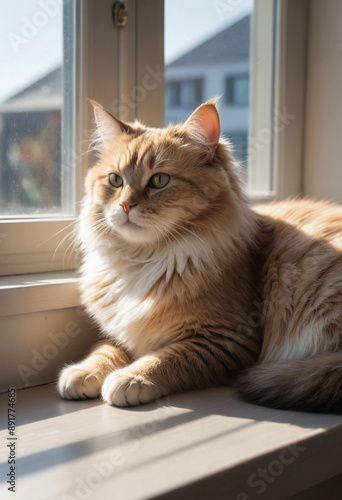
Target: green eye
{"points": [[115, 180], [159, 181]]}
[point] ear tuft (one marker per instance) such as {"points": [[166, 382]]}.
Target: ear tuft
{"points": [[204, 126], [107, 126]]}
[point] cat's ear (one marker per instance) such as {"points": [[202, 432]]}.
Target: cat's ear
{"points": [[204, 126], [108, 127]]}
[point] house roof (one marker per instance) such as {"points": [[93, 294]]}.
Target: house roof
{"points": [[43, 94], [231, 44]]}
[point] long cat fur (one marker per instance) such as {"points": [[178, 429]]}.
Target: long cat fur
{"points": [[192, 287]]}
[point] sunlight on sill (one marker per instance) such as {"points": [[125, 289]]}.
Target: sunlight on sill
{"points": [[184, 446], [38, 292]]}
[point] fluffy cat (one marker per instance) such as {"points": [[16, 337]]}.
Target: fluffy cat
{"points": [[193, 288]]}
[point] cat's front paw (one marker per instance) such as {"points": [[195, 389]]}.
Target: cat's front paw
{"points": [[126, 388], [75, 382]]}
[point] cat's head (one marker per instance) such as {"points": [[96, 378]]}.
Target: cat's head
{"points": [[157, 185]]}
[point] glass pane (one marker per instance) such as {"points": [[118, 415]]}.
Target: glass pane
{"points": [[207, 47], [32, 109], [241, 90]]}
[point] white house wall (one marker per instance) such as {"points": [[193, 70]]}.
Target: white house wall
{"points": [[234, 119]]}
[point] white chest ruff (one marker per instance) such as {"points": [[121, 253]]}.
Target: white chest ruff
{"points": [[116, 292]]}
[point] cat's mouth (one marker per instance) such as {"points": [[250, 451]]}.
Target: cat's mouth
{"points": [[131, 225], [123, 221], [133, 232], [128, 227], [128, 223]]}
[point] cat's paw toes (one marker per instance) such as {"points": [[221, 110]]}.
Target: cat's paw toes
{"points": [[75, 382], [122, 388]]}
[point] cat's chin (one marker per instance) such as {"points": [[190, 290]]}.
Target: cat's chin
{"points": [[133, 233], [127, 230]]}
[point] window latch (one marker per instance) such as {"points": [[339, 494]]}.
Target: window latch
{"points": [[119, 14]]}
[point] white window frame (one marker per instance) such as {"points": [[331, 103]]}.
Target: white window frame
{"points": [[127, 63], [277, 110]]}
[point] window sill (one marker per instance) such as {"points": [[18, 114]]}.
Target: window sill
{"points": [[199, 444], [30, 293], [262, 197], [36, 246]]}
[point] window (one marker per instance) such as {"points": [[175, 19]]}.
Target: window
{"points": [[208, 42], [37, 153], [172, 94], [30, 153], [252, 71], [188, 93], [34, 181], [237, 90]]}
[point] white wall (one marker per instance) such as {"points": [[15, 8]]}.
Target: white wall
{"points": [[323, 138]]}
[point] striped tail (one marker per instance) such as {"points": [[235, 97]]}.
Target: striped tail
{"points": [[309, 384]]}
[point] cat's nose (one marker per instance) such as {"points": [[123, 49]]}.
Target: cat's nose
{"points": [[127, 205]]}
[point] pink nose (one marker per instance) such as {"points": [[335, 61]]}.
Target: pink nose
{"points": [[127, 205]]}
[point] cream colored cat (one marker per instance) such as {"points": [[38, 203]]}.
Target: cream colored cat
{"points": [[193, 288]]}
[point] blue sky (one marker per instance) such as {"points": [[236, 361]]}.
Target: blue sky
{"points": [[31, 36], [27, 50], [189, 22]]}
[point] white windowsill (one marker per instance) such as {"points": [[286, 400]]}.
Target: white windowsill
{"points": [[29, 293], [196, 445], [262, 197]]}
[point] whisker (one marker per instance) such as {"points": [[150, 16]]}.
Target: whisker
{"points": [[56, 234], [71, 234], [173, 232], [183, 228]]}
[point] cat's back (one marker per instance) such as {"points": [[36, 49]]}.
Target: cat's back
{"points": [[305, 242], [315, 219], [302, 277]]}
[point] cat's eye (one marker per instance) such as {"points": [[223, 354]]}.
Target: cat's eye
{"points": [[115, 180], [159, 181]]}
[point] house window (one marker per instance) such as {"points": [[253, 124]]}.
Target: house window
{"points": [[237, 90], [188, 93], [172, 94]]}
